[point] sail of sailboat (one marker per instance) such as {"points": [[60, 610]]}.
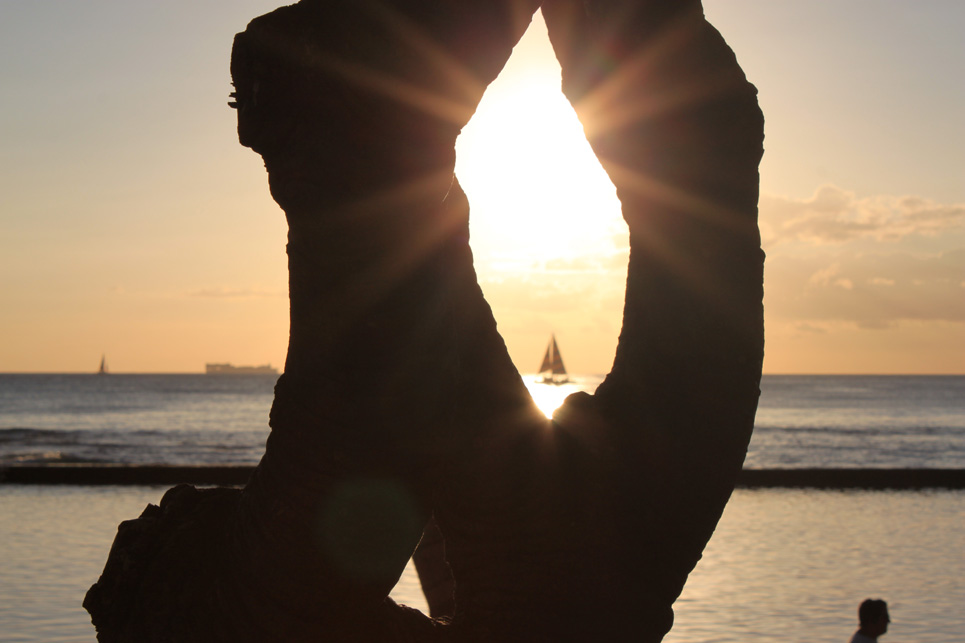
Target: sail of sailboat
{"points": [[552, 371], [103, 367]]}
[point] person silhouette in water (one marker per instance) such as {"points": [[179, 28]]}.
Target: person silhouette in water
{"points": [[872, 620]]}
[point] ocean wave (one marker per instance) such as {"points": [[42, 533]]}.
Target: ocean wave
{"points": [[48, 457], [26, 435], [24, 445], [864, 431]]}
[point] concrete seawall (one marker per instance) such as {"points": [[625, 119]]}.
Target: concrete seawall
{"points": [[853, 478], [71, 474], [76, 474]]}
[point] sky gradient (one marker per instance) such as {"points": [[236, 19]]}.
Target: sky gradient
{"points": [[133, 224]]}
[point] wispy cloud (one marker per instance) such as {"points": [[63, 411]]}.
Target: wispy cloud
{"points": [[538, 293], [870, 290], [835, 216], [235, 293], [871, 262]]}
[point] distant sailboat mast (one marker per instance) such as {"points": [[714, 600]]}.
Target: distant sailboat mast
{"points": [[552, 370], [103, 368]]}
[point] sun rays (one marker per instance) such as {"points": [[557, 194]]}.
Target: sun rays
{"points": [[536, 190], [549, 242]]}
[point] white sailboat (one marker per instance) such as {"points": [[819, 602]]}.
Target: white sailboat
{"points": [[552, 371], [103, 367]]}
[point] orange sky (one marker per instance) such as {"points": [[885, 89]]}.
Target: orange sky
{"points": [[133, 224]]}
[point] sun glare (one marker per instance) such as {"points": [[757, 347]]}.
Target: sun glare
{"points": [[549, 243], [549, 397], [536, 190]]}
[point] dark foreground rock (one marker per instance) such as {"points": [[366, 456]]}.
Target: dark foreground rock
{"points": [[399, 400]]}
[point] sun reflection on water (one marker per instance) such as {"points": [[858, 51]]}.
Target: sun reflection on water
{"points": [[549, 397]]}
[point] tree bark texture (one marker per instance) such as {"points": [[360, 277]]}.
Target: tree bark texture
{"points": [[399, 401]]}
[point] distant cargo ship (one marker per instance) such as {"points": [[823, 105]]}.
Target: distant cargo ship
{"points": [[230, 369]]}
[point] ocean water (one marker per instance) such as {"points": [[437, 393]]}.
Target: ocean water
{"points": [[134, 419], [850, 421], [785, 565], [802, 421], [788, 565]]}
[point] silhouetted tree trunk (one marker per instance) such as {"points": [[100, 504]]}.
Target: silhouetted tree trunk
{"points": [[399, 400]]}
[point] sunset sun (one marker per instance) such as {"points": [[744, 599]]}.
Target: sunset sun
{"points": [[536, 190], [549, 242]]}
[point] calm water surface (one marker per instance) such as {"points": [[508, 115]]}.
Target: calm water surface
{"points": [[784, 565], [803, 420]]}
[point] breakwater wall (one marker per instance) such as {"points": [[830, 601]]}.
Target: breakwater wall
{"points": [[85, 474]]}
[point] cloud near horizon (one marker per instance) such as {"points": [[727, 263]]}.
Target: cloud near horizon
{"points": [[834, 258], [872, 262], [235, 293], [836, 216]]}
